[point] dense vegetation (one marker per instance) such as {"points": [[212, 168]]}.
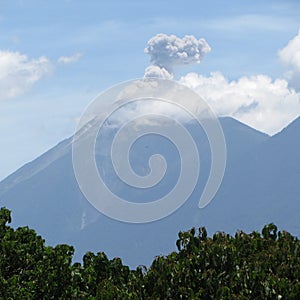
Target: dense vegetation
{"points": [[247, 266]]}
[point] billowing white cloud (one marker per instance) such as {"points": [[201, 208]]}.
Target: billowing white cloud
{"points": [[18, 73], [290, 54], [69, 59], [169, 51], [290, 57], [262, 103]]}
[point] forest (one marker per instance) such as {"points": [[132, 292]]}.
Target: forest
{"points": [[257, 265]]}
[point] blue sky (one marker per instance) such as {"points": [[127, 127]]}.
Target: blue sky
{"points": [[87, 46]]}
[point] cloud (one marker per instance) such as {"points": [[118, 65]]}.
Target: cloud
{"points": [[290, 54], [262, 103], [290, 57], [169, 51], [259, 101], [159, 72], [69, 59], [18, 73]]}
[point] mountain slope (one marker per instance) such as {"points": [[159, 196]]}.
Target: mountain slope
{"points": [[260, 185]]}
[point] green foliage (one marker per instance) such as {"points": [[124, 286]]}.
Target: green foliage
{"points": [[246, 266], [29, 269], [224, 267]]}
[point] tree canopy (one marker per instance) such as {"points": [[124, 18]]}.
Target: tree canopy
{"points": [[262, 265]]}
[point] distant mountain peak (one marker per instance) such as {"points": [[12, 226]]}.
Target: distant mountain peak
{"points": [[242, 126], [292, 129], [261, 185]]}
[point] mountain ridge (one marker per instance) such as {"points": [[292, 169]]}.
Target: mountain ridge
{"points": [[49, 199]]}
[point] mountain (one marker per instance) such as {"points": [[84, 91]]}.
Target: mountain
{"points": [[261, 184]]}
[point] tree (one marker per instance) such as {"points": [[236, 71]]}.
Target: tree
{"points": [[244, 266]]}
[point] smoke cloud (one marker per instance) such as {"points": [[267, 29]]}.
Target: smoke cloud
{"points": [[169, 51], [159, 72]]}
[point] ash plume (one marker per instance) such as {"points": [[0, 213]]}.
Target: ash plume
{"points": [[168, 51]]}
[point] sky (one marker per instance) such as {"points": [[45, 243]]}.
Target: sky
{"points": [[56, 56]]}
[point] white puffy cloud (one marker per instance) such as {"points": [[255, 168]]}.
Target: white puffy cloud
{"points": [[262, 103], [290, 57], [18, 73], [290, 54], [169, 51], [69, 59]]}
